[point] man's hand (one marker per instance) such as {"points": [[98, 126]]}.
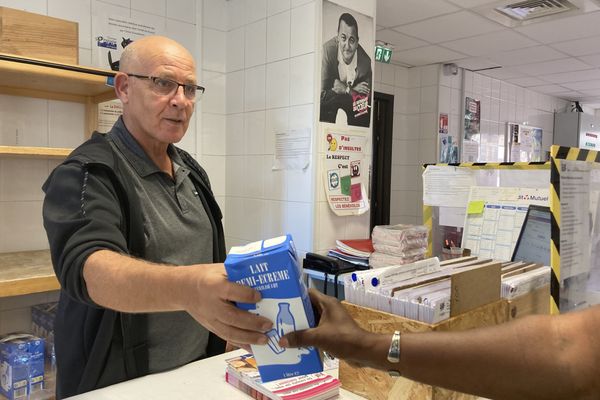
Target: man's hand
{"points": [[339, 87], [337, 333], [362, 88], [209, 299]]}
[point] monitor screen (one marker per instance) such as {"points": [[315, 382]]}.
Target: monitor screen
{"points": [[533, 244]]}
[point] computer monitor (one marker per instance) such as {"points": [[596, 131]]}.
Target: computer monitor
{"points": [[533, 244]]}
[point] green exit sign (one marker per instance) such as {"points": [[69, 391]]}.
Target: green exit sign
{"points": [[383, 54]]}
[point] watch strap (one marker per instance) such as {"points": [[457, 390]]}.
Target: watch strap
{"points": [[394, 351]]}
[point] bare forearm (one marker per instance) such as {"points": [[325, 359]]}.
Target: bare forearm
{"points": [[127, 284], [537, 357]]}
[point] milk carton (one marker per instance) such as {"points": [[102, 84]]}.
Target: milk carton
{"points": [[21, 365], [271, 267]]}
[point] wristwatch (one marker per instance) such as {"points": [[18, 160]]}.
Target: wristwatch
{"points": [[394, 353]]}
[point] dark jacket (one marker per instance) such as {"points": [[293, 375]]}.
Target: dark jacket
{"points": [[95, 346]]}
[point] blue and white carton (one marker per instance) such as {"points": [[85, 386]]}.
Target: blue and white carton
{"points": [[271, 267]]}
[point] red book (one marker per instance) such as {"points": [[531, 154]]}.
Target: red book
{"points": [[356, 247]]}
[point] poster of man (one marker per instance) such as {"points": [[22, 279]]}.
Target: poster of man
{"points": [[346, 69]]}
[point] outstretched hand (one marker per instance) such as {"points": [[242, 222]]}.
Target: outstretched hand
{"points": [[337, 333], [211, 302]]}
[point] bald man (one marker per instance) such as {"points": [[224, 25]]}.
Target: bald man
{"points": [[136, 237]]}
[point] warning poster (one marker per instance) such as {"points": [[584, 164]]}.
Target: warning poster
{"points": [[346, 172]]}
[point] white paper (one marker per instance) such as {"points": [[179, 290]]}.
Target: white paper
{"points": [[112, 33], [292, 149], [108, 114], [452, 216], [447, 186], [494, 232], [575, 218], [470, 151]]}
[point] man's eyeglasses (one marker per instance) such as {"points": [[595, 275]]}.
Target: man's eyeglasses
{"points": [[168, 87]]}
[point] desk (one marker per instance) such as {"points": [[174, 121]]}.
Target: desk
{"points": [[203, 379]]}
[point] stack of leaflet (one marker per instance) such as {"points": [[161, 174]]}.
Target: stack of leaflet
{"points": [[243, 374], [519, 278], [421, 290], [355, 251], [398, 244]]}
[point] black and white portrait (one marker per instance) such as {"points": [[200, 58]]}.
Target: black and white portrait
{"points": [[346, 70]]}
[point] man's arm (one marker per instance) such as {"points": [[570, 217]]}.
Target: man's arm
{"points": [[534, 357], [131, 285]]}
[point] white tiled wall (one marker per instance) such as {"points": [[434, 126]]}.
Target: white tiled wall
{"points": [[415, 93], [269, 64], [502, 102]]}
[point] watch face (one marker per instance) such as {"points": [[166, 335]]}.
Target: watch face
{"points": [[393, 373]]}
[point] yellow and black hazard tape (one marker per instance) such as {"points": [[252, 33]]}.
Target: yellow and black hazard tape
{"points": [[571, 154]]}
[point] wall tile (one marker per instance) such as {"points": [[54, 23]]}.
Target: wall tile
{"points": [[78, 11], [428, 124], [85, 57], [276, 121], [401, 76], [300, 185], [299, 222], [235, 92], [413, 78], [183, 33], [214, 14], [414, 126], [24, 121], [429, 99], [214, 137], [377, 73], [158, 7], [275, 182], [301, 117], [235, 49], [213, 50], [182, 10], [22, 179], [254, 132], [213, 100], [27, 215], [278, 37], [302, 79], [255, 10], [254, 181], [216, 167], [66, 124], [33, 6], [256, 43], [235, 179], [235, 134], [303, 30], [254, 92], [430, 75], [277, 6], [111, 8], [236, 13], [329, 226], [278, 84], [413, 104], [273, 221], [387, 73], [253, 215], [427, 154], [401, 100], [235, 214]]}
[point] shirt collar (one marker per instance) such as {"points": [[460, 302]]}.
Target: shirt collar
{"points": [[134, 153]]}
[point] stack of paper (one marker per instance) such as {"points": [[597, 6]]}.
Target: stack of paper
{"points": [[398, 244], [524, 279], [243, 374], [355, 251]]}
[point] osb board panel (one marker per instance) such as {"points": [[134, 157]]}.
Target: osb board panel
{"points": [[378, 385], [382, 322], [535, 302]]}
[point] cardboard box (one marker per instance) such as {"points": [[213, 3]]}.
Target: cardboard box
{"points": [[271, 267], [21, 366], [38, 36], [378, 385]]}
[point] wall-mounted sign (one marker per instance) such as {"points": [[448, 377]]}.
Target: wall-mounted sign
{"points": [[383, 54]]}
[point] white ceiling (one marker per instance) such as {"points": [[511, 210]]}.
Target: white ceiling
{"points": [[557, 55]]}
